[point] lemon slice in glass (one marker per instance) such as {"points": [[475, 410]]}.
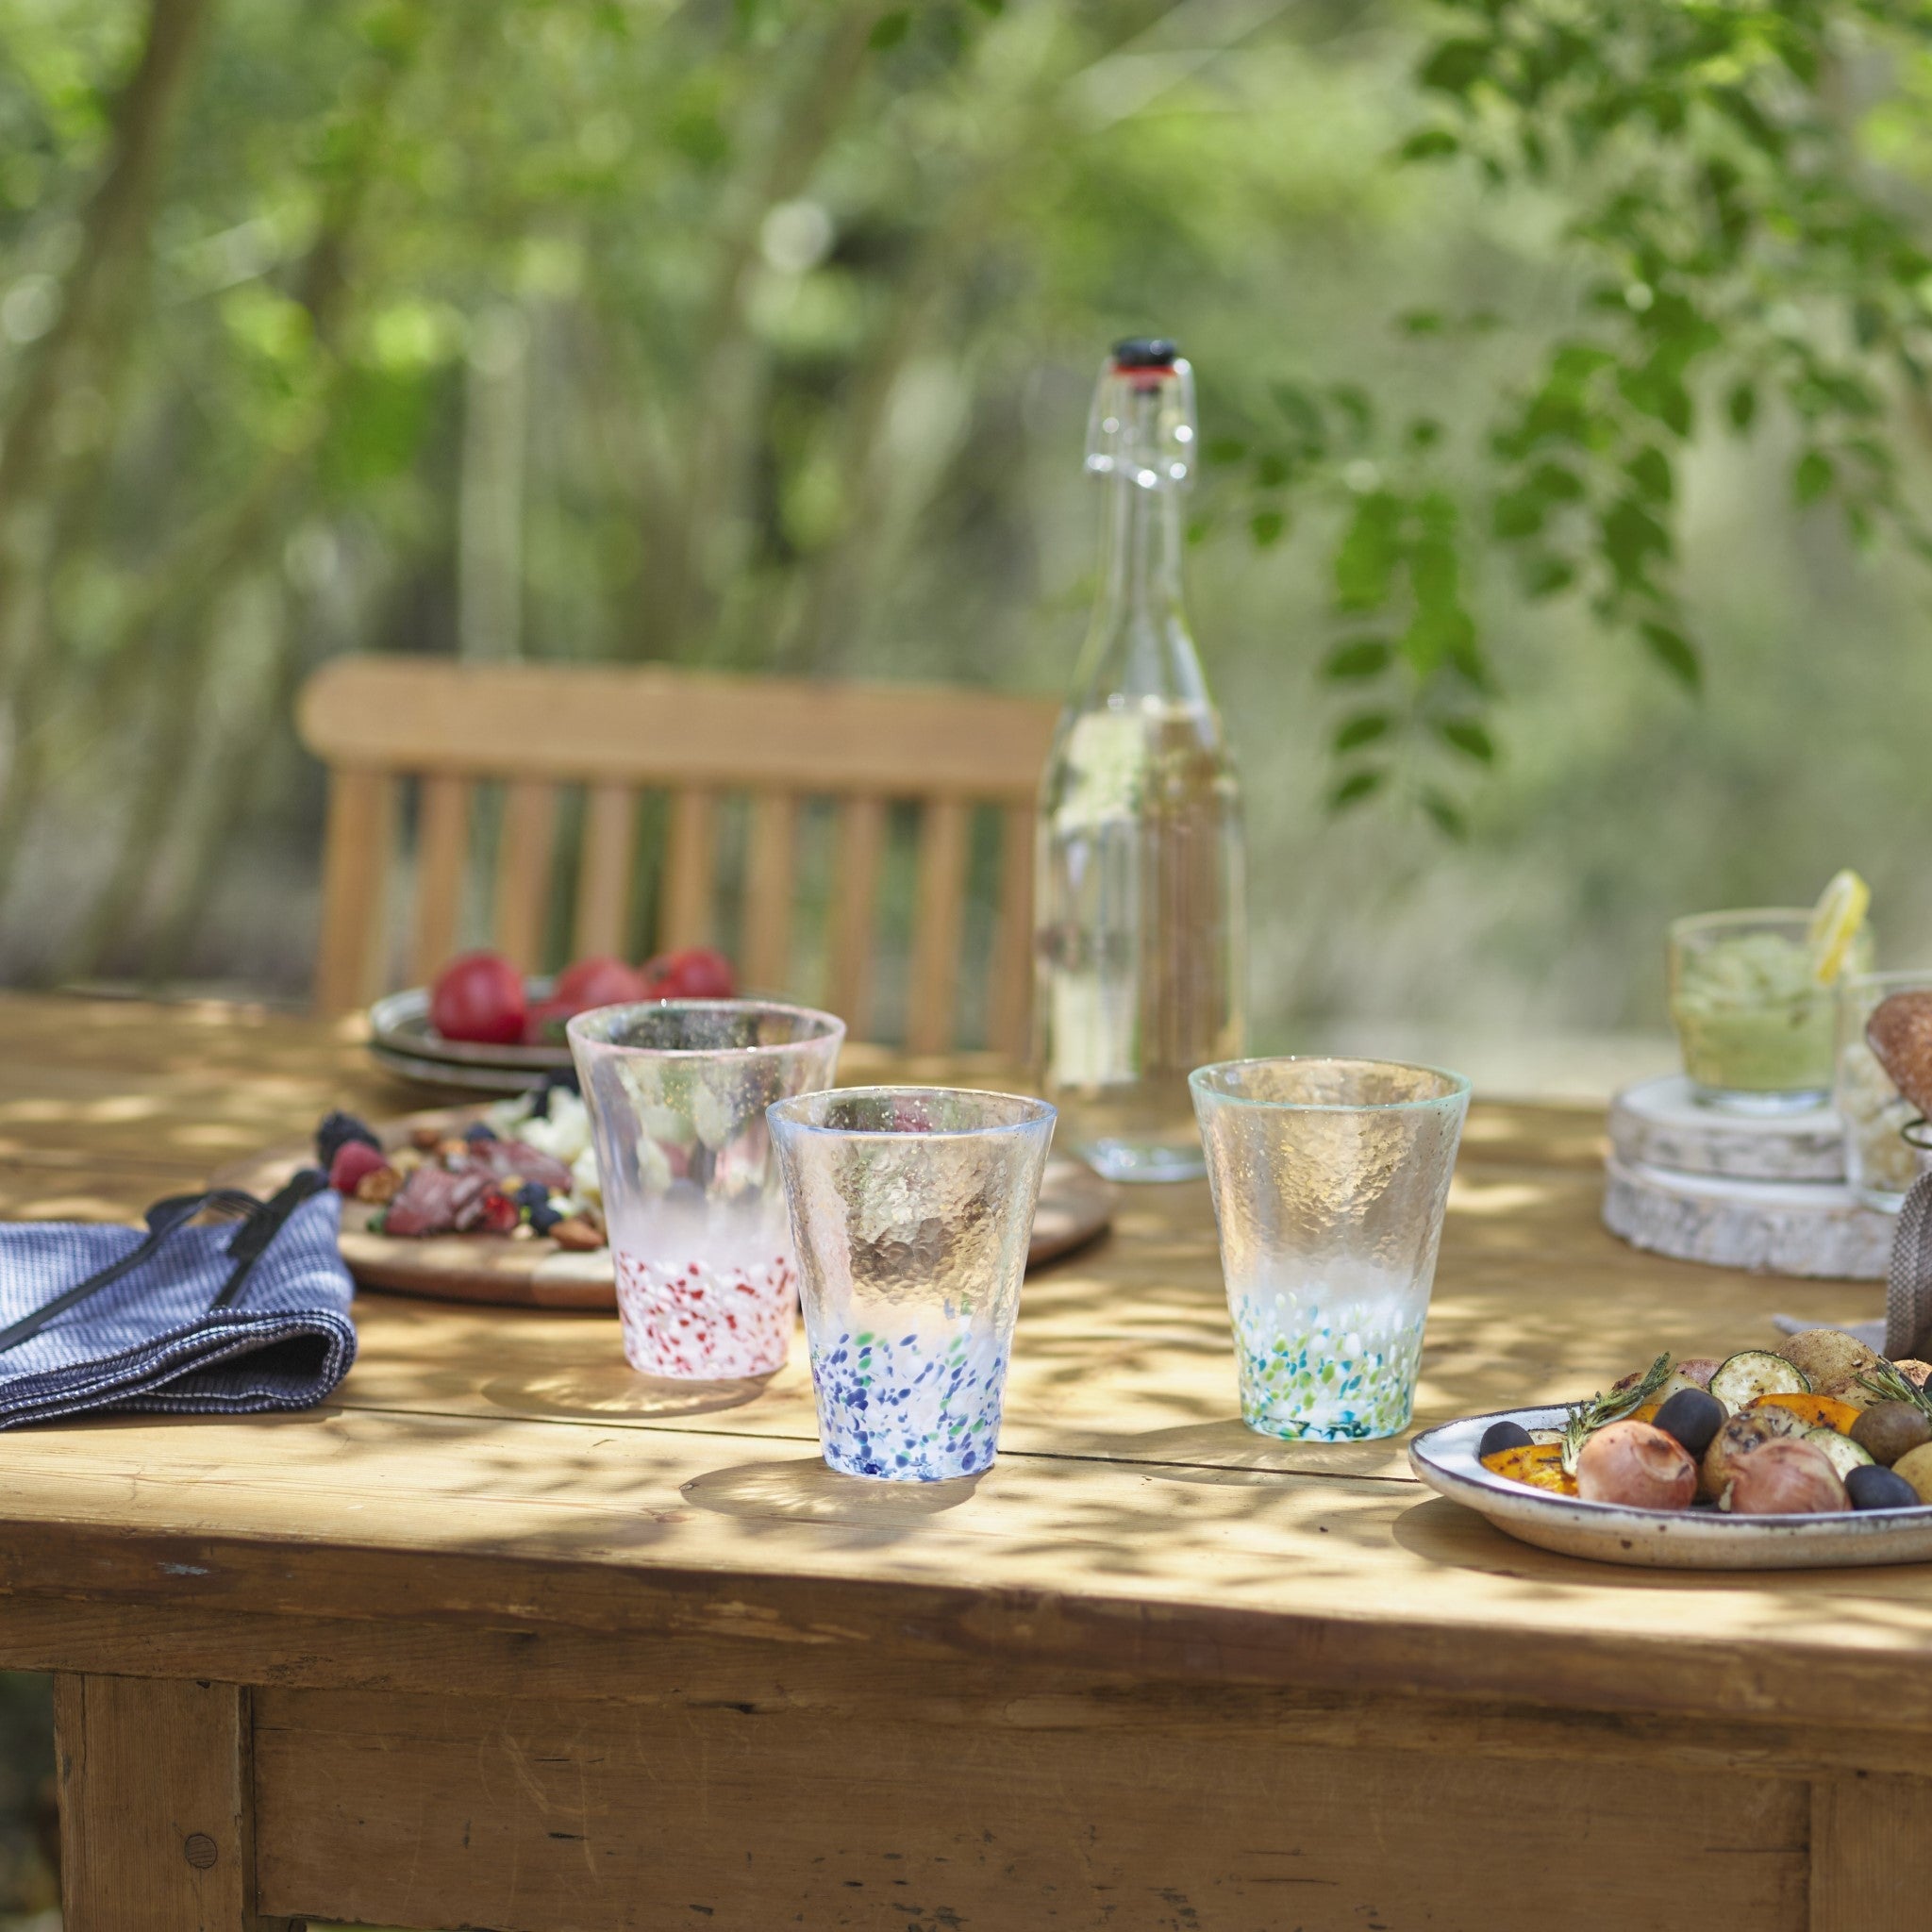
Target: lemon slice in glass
{"points": [[1835, 923]]}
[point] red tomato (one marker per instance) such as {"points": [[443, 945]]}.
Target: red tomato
{"points": [[479, 997], [695, 973], [600, 982]]}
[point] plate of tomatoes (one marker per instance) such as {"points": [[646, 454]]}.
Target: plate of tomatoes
{"points": [[1816, 1455], [485, 1027]]}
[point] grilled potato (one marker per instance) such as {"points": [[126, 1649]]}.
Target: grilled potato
{"points": [[1827, 1358], [1737, 1438]]}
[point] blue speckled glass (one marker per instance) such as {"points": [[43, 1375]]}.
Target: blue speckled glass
{"points": [[1329, 1177], [911, 1210]]}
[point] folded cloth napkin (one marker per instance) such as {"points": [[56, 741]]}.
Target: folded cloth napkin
{"points": [[209, 1320]]}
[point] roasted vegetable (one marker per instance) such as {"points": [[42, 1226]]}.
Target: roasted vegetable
{"points": [[1814, 1411], [1693, 1371], [1828, 1356], [1693, 1416], [1916, 1373], [1501, 1436], [1739, 1436], [1539, 1464], [1887, 1382], [1916, 1469], [1888, 1430], [1754, 1371], [1635, 1465], [1839, 1450], [1872, 1488], [1631, 1393], [1784, 1478]]}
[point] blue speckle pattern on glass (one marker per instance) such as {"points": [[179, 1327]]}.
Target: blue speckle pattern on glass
{"points": [[915, 1407]]}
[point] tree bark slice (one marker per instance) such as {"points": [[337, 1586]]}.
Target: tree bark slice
{"points": [[1802, 1227], [1661, 1124]]}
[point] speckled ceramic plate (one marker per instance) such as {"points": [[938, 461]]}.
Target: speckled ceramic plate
{"points": [[1696, 1538]]}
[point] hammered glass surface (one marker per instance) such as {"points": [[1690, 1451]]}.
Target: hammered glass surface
{"points": [[1330, 1179], [1881, 1163], [700, 1241], [911, 1208]]}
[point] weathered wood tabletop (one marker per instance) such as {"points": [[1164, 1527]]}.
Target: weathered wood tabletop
{"points": [[506, 1637]]}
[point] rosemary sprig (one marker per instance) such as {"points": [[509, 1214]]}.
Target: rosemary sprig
{"points": [[1885, 1381], [1585, 1418]]}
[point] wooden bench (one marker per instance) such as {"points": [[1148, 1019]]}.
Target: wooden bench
{"points": [[425, 741]]}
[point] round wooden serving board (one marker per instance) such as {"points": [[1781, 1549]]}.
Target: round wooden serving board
{"points": [[1076, 1204]]}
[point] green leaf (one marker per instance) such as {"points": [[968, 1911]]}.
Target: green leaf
{"points": [[1445, 812], [1266, 527], [1742, 406], [1301, 411], [1363, 729], [1518, 513], [1359, 659], [1369, 552], [889, 29], [1423, 432], [1455, 66], [1430, 144], [1470, 736], [1354, 788], [1812, 476], [1650, 469], [1545, 575], [1674, 651], [1224, 449], [1631, 538], [1270, 470], [1421, 322], [1560, 485]]}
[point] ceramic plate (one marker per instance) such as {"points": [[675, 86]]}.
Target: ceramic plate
{"points": [[399, 1026], [1697, 1539], [451, 1075]]}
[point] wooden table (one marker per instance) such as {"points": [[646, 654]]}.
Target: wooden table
{"points": [[503, 1637]]}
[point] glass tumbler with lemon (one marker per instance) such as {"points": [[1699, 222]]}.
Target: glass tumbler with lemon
{"points": [[1753, 998]]}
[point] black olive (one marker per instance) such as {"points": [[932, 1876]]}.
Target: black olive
{"points": [[1872, 1486], [1501, 1436], [1693, 1417]]}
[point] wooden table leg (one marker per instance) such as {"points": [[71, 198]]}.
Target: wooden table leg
{"points": [[156, 1805]]}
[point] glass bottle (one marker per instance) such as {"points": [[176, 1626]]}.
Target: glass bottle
{"points": [[1140, 927]]}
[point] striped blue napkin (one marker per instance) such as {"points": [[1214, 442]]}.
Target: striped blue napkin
{"points": [[225, 1319]]}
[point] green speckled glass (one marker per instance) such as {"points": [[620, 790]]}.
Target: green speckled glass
{"points": [[1329, 1177]]}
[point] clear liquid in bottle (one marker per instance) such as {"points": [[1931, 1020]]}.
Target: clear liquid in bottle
{"points": [[1141, 925]]}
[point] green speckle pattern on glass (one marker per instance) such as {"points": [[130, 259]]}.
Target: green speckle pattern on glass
{"points": [[1305, 1378]]}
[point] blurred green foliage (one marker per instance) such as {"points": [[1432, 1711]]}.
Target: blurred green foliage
{"points": [[758, 335], [1734, 243]]}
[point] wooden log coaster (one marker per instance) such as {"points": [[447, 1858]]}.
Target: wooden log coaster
{"points": [[1772, 1227], [1661, 1124]]}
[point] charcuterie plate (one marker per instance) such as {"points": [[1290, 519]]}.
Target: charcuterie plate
{"points": [[1699, 1539], [531, 1271]]}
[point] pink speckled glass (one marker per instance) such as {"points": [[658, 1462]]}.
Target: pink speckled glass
{"points": [[706, 1281]]}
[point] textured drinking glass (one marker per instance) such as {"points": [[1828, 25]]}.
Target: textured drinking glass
{"points": [[1755, 1023], [678, 1090], [1881, 1163], [1329, 1178], [912, 1207]]}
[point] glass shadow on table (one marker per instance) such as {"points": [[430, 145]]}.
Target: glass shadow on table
{"points": [[613, 1391]]}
